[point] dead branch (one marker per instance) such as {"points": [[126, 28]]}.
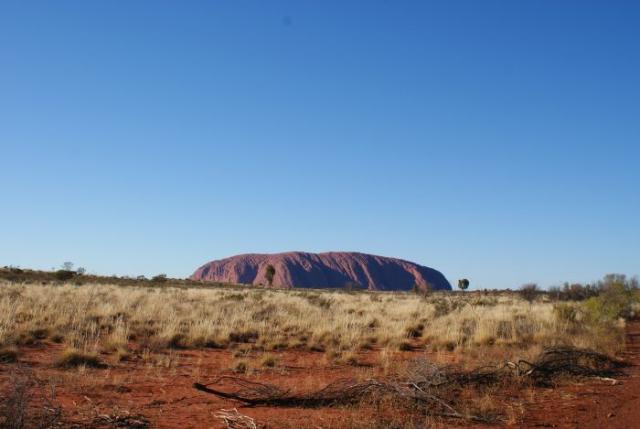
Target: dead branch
{"points": [[568, 361], [424, 384], [235, 420], [255, 394], [341, 392], [123, 419]]}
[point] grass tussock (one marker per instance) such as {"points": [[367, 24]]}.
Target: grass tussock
{"points": [[269, 361], [8, 354], [241, 366], [71, 358]]}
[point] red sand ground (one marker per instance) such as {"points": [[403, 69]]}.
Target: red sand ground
{"points": [[597, 404], [163, 393]]}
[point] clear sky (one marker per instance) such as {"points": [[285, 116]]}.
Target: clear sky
{"points": [[497, 141]]}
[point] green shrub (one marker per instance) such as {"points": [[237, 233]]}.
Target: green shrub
{"points": [[64, 275], [615, 301]]}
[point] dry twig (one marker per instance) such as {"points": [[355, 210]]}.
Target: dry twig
{"points": [[235, 420]]}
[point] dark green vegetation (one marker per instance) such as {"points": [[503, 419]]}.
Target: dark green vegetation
{"points": [[19, 275], [612, 298], [270, 273]]}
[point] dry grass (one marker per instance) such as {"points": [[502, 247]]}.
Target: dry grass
{"points": [[108, 318], [71, 358], [268, 361], [241, 366]]}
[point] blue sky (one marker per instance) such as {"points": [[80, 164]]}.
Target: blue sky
{"points": [[497, 141]]}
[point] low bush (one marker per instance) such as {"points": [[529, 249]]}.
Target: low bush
{"points": [[160, 278], [618, 298], [580, 292], [566, 313], [529, 292], [573, 292], [64, 275]]}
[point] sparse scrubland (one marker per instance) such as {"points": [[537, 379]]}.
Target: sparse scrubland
{"points": [[107, 318], [95, 326]]}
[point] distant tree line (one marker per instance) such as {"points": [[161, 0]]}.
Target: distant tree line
{"points": [[580, 292]]}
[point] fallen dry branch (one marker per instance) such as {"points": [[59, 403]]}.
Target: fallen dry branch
{"points": [[424, 385], [235, 420], [550, 364], [341, 392], [567, 361], [254, 394], [123, 420]]}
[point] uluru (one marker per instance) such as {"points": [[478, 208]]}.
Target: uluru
{"points": [[323, 270]]}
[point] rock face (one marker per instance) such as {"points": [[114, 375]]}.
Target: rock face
{"points": [[323, 270]]}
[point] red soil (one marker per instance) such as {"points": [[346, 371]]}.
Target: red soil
{"points": [[597, 404], [163, 393]]}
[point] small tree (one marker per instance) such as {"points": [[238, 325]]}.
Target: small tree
{"points": [[529, 292], [270, 274], [81, 271], [65, 273], [463, 284]]}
